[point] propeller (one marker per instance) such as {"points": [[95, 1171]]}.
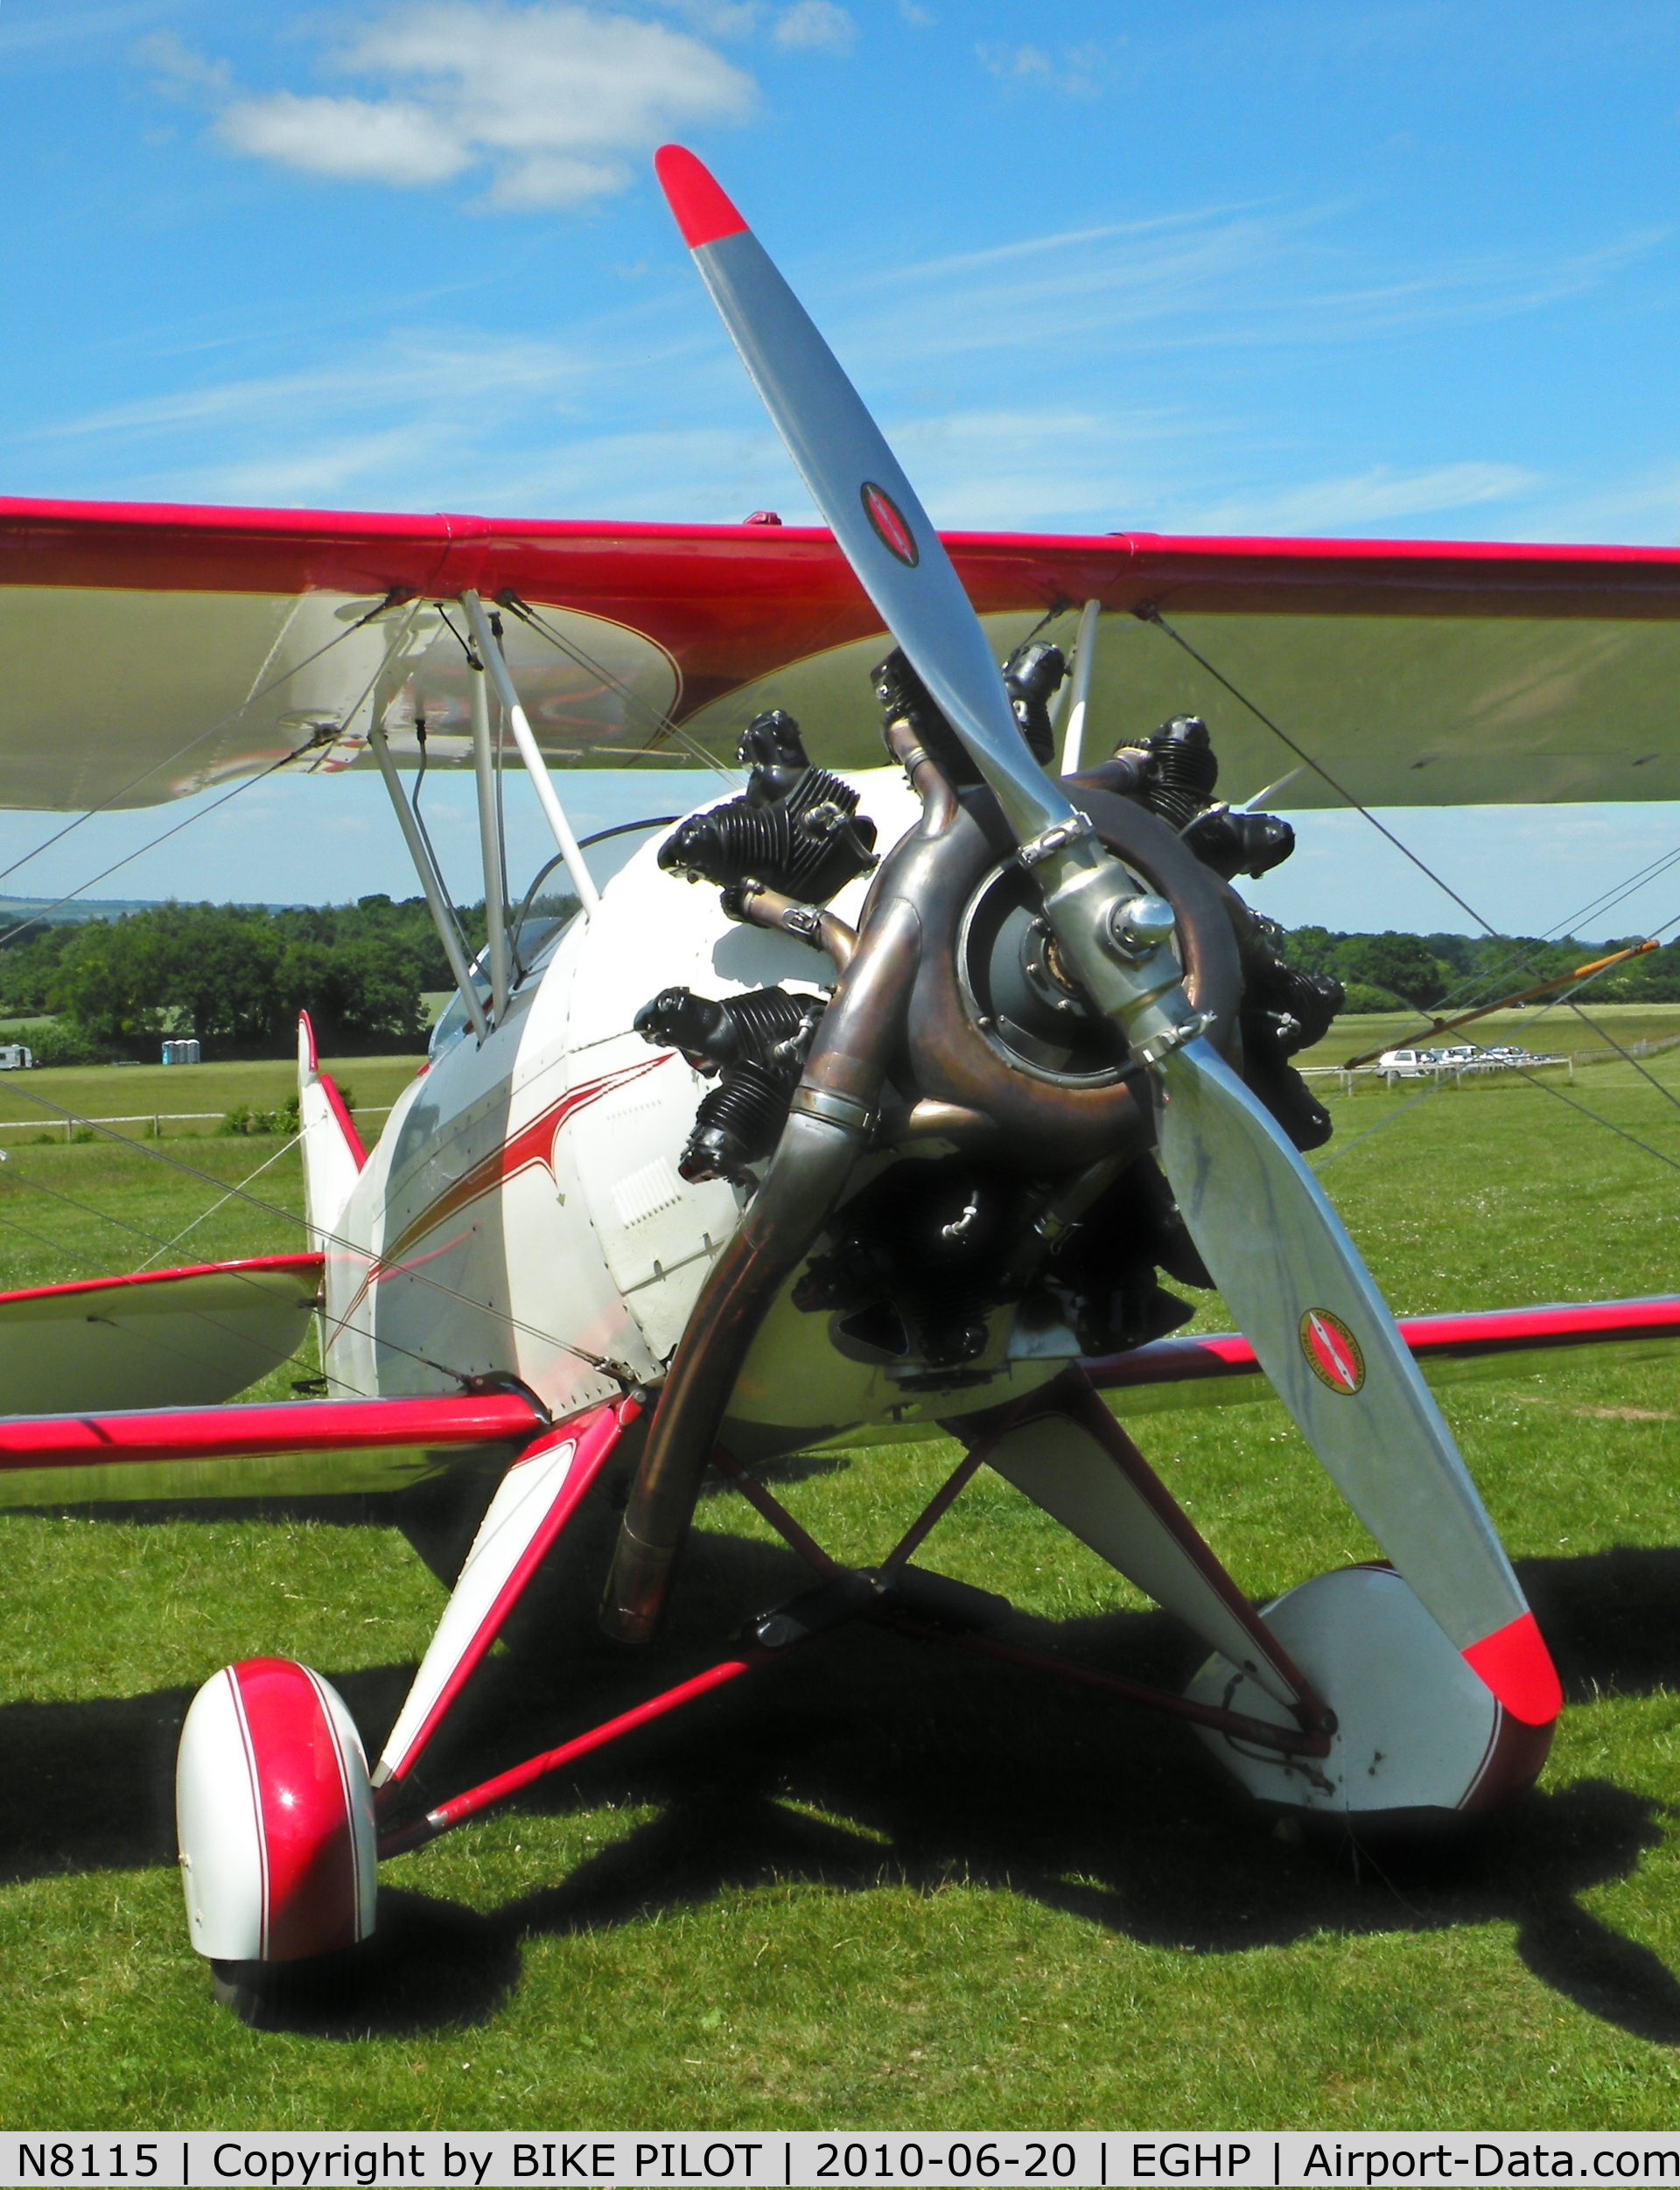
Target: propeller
{"points": [[1279, 1254]]}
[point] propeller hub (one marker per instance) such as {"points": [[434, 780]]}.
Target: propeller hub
{"points": [[1142, 924]]}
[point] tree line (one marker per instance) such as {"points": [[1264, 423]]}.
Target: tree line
{"points": [[238, 975], [1381, 972]]}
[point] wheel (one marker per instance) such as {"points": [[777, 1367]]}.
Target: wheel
{"points": [[275, 1818], [1419, 1737]]}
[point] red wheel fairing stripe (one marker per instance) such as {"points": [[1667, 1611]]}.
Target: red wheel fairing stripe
{"points": [[309, 1904], [347, 1796], [1515, 1664], [230, 1674]]}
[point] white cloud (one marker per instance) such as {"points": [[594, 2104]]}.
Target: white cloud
{"points": [[1223, 279], [1374, 497], [816, 26], [919, 19], [355, 140], [1075, 73], [721, 18], [180, 71], [554, 100], [1014, 61]]}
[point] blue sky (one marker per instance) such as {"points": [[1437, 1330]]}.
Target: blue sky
{"points": [[1402, 270]]}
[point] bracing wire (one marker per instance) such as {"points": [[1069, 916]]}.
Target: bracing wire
{"points": [[250, 782], [333, 1239], [326, 735], [397, 594], [232, 1193], [249, 1277], [656, 725], [1147, 613], [1344, 1148]]}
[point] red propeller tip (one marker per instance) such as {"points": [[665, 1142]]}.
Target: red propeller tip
{"points": [[704, 213], [1515, 1664]]}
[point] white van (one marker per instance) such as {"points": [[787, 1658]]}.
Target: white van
{"points": [[1407, 1064]]}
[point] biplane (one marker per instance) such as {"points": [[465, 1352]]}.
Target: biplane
{"points": [[871, 1101]]}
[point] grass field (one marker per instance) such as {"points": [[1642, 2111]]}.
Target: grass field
{"points": [[187, 1099], [893, 1886]]}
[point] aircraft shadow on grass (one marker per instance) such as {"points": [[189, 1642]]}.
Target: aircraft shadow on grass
{"points": [[952, 1766]]}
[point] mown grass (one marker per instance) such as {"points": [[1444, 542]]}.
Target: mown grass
{"points": [[1552, 1030], [893, 1885], [142, 1093]]}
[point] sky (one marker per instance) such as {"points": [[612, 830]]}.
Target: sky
{"points": [[1390, 270]]}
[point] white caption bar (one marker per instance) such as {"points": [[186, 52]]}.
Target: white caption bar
{"points": [[307, 2162]]}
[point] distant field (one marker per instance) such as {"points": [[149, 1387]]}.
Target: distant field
{"points": [[42, 1097], [890, 1886], [1557, 1029]]}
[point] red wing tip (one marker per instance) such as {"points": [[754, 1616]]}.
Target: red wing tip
{"points": [[1515, 1664], [703, 211]]}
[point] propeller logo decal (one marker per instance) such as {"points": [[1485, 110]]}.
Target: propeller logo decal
{"points": [[891, 530], [1332, 1351]]}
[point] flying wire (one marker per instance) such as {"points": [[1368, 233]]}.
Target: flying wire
{"points": [[232, 1193], [1147, 613], [321, 738], [333, 1239], [250, 700], [658, 725], [247, 1278], [324, 734], [1346, 1147]]}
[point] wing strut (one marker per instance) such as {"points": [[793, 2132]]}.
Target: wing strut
{"points": [[1084, 662], [484, 773], [443, 918], [529, 752]]}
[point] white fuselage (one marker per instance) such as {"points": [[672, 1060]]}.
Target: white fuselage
{"points": [[521, 1214]]}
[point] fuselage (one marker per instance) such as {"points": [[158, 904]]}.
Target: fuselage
{"points": [[523, 1215]]}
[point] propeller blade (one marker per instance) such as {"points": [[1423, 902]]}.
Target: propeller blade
{"points": [[1290, 1274], [856, 482], [1303, 1296]]}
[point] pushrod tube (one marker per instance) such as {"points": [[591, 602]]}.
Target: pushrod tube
{"points": [[443, 918], [490, 654], [495, 911]]}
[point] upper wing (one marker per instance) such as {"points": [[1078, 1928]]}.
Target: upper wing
{"points": [[151, 651]]}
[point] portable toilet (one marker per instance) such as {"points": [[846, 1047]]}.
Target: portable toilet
{"points": [[185, 1052]]}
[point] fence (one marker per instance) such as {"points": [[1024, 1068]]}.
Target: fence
{"points": [[1653, 1048], [156, 1119], [1484, 1068]]}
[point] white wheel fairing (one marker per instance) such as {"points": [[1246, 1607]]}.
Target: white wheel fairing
{"points": [[275, 1816], [1416, 1730]]}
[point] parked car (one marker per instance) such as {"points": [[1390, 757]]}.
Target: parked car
{"points": [[1407, 1064]]}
